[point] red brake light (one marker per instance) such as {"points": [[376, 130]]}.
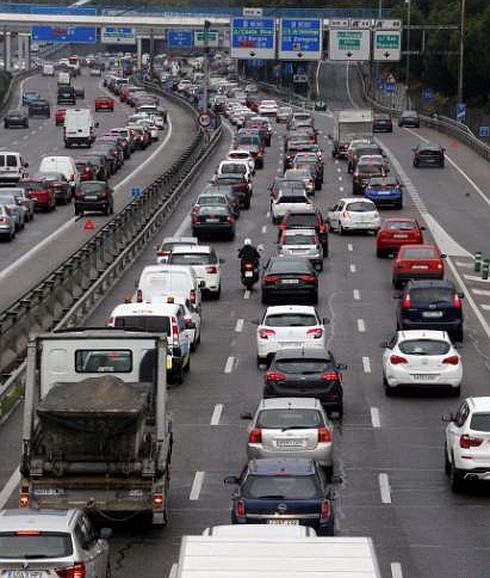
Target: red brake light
{"points": [[265, 333], [275, 376], [175, 332], [329, 376], [240, 508], [466, 442], [76, 571], [27, 533], [397, 359], [452, 360], [325, 510], [324, 435], [407, 302], [139, 296], [316, 332], [212, 269], [457, 301], [163, 253], [271, 278], [193, 296], [308, 278], [255, 436]]}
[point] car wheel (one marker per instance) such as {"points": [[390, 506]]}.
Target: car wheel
{"points": [[107, 210], [179, 376], [389, 391], [275, 220], [416, 164], [442, 164], [380, 253], [456, 391], [217, 295], [447, 463], [341, 230], [187, 366], [396, 283], [329, 530], [455, 479], [400, 205], [261, 361], [458, 334]]}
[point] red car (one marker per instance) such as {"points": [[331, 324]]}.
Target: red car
{"points": [[59, 116], [41, 192], [104, 103], [87, 170], [417, 262], [397, 232]]}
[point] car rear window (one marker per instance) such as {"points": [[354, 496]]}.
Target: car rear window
{"points": [[360, 207], [290, 320], [16, 545], [286, 266], [88, 187], [234, 168], [8, 161], [418, 253], [211, 200], [292, 199], [480, 422], [290, 417], [400, 226], [424, 347], [431, 295], [299, 240], [295, 220], [370, 167], [191, 259], [103, 361], [150, 323], [281, 487], [303, 366]]}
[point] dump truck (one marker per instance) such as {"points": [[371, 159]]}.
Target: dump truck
{"points": [[349, 125], [96, 432]]}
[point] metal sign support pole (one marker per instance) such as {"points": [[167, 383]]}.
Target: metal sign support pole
{"points": [[207, 24]]}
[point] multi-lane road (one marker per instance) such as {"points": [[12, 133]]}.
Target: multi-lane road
{"points": [[389, 451]]}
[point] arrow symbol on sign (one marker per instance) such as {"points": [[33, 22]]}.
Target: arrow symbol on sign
{"points": [[386, 54], [252, 53], [349, 54], [300, 54]]}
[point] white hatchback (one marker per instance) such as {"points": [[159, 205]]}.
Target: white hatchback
{"points": [[354, 214], [268, 108], [421, 358], [241, 155], [205, 264], [289, 326], [294, 200]]}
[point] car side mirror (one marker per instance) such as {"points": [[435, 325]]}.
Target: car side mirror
{"points": [[96, 125], [202, 284], [384, 344], [255, 322], [325, 320], [448, 418], [221, 260], [422, 228], [342, 366], [26, 165], [231, 480], [246, 415], [443, 256], [105, 533], [461, 295]]}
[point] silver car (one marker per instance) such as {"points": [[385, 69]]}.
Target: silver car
{"points": [[16, 210], [49, 544], [293, 427], [303, 242], [23, 200], [7, 224]]}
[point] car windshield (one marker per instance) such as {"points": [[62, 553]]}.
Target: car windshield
{"points": [[289, 417], [480, 422], [303, 366], [150, 323], [418, 253], [290, 320], [34, 545], [287, 487], [360, 207], [424, 347], [424, 295], [191, 259], [302, 239]]}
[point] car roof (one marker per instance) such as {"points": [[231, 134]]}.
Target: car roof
{"points": [[183, 240], [479, 403], [289, 403], [276, 309], [355, 199], [423, 334], [281, 466], [12, 520]]}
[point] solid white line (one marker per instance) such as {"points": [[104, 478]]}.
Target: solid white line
{"points": [[465, 265], [239, 325], [396, 570], [229, 364], [361, 326], [268, 214], [340, 178], [357, 295], [485, 307], [264, 228], [384, 488], [196, 486], [366, 364], [375, 421], [216, 417], [181, 228], [9, 487], [475, 278], [483, 292], [246, 294], [352, 268], [350, 247]]}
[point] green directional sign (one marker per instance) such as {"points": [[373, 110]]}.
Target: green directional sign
{"points": [[386, 40], [387, 45], [349, 44], [349, 40]]}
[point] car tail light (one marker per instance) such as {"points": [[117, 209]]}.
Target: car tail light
{"points": [[407, 302], [3, 219], [271, 278], [466, 442], [163, 253], [193, 296], [75, 571], [212, 269], [308, 278], [158, 501], [266, 333], [457, 301], [452, 360], [346, 215], [139, 296], [175, 332], [315, 333], [324, 435], [325, 510], [397, 359], [255, 436], [240, 508], [274, 376], [329, 376]]}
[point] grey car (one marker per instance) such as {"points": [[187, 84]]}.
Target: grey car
{"points": [[16, 118], [51, 544], [7, 224], [24, 200], [39, 107], [292, 427], [16, 210], [303, 242]]}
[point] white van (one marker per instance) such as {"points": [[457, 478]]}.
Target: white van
{"points": [[61, 164], [158, 280], [63, 78], [79, 127], [259, 531], [48, 69], [162, 318], [12, 167]]}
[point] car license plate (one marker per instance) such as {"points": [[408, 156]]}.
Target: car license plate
{"points": [[212, 220], [289, 444], [420, 266], [398, 236], [431, 314], [48, 491], [23, 574], [290, 281], [424, 376], [249, 273], [91, 197], [279, 522]]}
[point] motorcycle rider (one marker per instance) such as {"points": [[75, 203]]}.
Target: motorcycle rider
{"points": [[249, 254]]}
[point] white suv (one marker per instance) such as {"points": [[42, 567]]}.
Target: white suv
{"points": [[204, 263], [289, 326], [467, 444]]}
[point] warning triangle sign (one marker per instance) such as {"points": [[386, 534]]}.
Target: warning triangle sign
{"points": [[89, 225]]}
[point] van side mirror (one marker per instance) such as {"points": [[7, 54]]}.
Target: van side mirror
{"points": [[26, 165], [461, 295], [342, 366]]}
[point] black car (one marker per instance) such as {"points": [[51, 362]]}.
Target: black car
{"points": [[79, 92], [39, 107], [94, 196], [16, 118], [212, 220], [306, 372], [431, 304], [293, 279], [240, 186], [409, 118], [66, 95], [382, 123], [283, 491], [62, 188], [429, 154]]}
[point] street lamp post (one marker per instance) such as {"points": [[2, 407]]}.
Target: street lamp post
{"points": [[461, 52], [407, 62]]}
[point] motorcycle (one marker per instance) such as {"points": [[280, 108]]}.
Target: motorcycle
{"points": [[249, 274]]}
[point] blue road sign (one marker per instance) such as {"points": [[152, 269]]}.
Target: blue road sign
{"points": [[380, 85], [461, 111], [253, 38], [62, 33], [180, 38], [484, 131], [136, 192], [390, 87], [428, 94], [301, 38]]}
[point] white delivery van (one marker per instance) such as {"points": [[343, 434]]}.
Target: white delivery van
{"points": [[158, 280], [79, 127], [48, 69], [12, 167], [61, 164], [259, 531]]}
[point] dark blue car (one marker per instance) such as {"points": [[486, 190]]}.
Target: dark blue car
{"points": [[29, 96], [385, 192], [283, 491]]}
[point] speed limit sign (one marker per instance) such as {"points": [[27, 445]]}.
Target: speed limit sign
{"points": [[204, 119]]}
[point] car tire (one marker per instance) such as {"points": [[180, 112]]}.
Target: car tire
{"points": [[341, 230], [416, 164], [458, 334], [399, 205], [275, 220], [447, 463], [187, 366], [261, 361], [178, 377], [328, 470], [456, 391], [389, 391], [329, 530], [380, 253], [442, 165], [455, 480]]}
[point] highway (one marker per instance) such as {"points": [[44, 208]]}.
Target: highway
{"points": [[51, 238], [389, 451]]}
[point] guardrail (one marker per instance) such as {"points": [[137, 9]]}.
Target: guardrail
{"points": [[442, 123], [67, 295]]}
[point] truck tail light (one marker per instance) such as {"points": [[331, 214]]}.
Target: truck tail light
{"points": [[255, 436], [324, 435], [325, 510], [175, 332], [75, 571], [466, 442], [452, 360], [397, 359], [193, 296], [240, 508], [315, 333]]}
